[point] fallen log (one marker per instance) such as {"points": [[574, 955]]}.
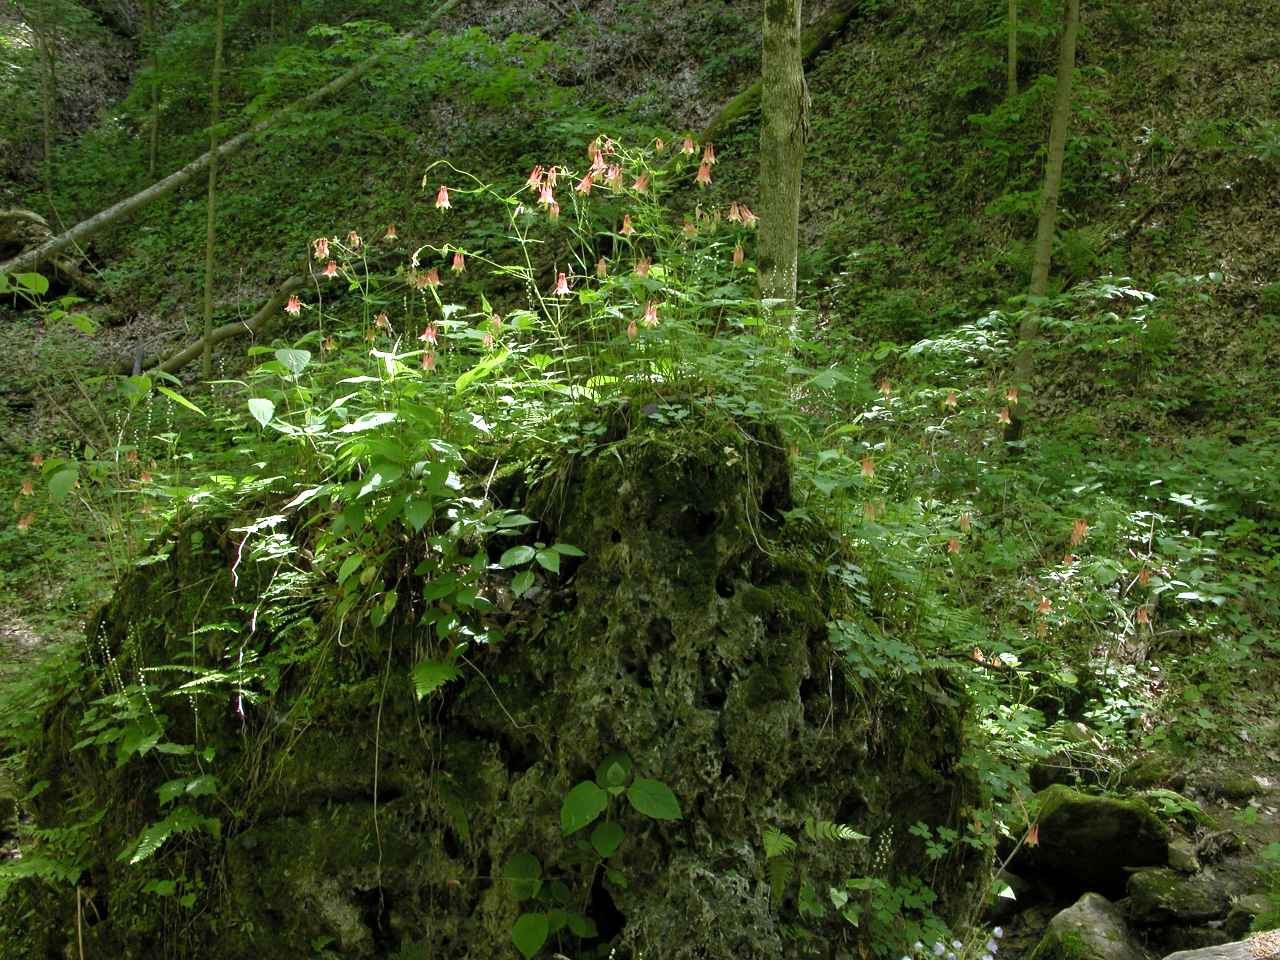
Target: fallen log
{"points": [[29, 259]]}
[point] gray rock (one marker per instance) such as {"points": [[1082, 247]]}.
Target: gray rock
{"points": [[1161, 895], [1264, 946], [1091, 929], [1244, 911], [1182, 856]]}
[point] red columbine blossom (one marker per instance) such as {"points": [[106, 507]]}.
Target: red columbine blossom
{"points": [[1079, 530], [689, 228], [553, 211], [353, 240], [632, 330], [328, 344], [642, 266], [735, 213], [430, 334], [562, 286], [951, 402], [704, 175], [641, 184], [431, 278], [650, 314], [602, 268], [25, 521], [868, 467], [28, 487], [1004, 417], [1033, 835], [709, 155], [584, 185], [382, 321], [627, 228], [535, 177], [660, 145], [1011, 396], [37, 460], [1143, 617], [953, 546], [613, 176], [738, 255], [459, 262], [1044, 606], [321, 248], [550, 180], [429, 361], [331, 269], [688, 147], [391, 233], [1144, 577], [442, 198], [886, 389], [294, 307], [748, 218], [545, 196], [966, 524]]}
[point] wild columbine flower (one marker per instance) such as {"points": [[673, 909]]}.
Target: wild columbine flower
{"points": [[29, 488], [1044, 606], [321, 247], [1143, 617], [584, 185], [535, 177], [650, 314], [868, 467], [1011, 396], [748, 218], [688, 147], [627, 228], [429, 361], [331, 269], [738, 255], [430, 334], [37, 460], [459, 262], [327, 344], [442, 198], [613, 176], [353, 240], [391, 233], [131, 456], [382, 321], [886, 389], [632, 330], [562, 286], [660, 145], [1033, 835], [953, 546], [1069, 558], [642, 267], [549, 181], [951, 401], [1079, 530], [602, 268], [689, 228], [704, 175], [553, 211], [708, 155], [1144, 577], [145, 476], [641, 183], [294, 306], [25, 521], [598, 166], [735, 213], [545, 197], [432, 277], [1004, 417]]}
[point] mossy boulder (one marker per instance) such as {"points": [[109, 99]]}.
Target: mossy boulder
{"points": [[1164, 896], [1093, 928], [691, 638], [1086, 842]]}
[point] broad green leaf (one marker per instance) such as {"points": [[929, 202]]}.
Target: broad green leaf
{"points": [[582, 805], [430, 675], [606, 837], [548, 559], [529, 933], [417, 513], [523, 873], [60, 483], [654, 799], [521, 582], [37, 283], [567, 550], [517, 556], [262, 410], [295, 361], [349, 566], [614, 770], [179, 399], [370, 421], [583, 927]]}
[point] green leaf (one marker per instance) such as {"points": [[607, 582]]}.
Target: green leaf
{"points": [[524, 873], [614, 770], [529, 933], [516, 556], [583, 927], [35, 282], [60, 483], [581, 806], [548, 559], [654, 799], [179, 399], [295, 361], [567, 549], [262, 410], [370, 421], [606, 838], [417, 513], [521, 583], [430, 675], [349, 566]]}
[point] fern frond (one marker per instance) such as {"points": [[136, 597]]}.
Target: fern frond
{"points": [[828, 830], [777, 843]]}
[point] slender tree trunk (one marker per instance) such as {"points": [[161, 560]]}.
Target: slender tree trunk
{"points": [[49, 88], [153, 144], [32, 258], [1012, 89], [214, 105], [1024, 363], [782, 136]]}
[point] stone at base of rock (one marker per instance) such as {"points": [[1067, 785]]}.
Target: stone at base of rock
{"points": [[1091, 929]]}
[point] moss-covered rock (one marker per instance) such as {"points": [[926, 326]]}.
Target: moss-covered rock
{"points": [[692, 638], [1091, 929], [1163, 895]]}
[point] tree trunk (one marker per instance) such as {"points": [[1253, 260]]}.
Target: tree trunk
{"points": [[782, 136], [1012, 88], [47, 41], [29, 259], [153, 135], [210, 233], [1024, 363]]}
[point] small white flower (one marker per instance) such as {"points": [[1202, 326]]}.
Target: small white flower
{"points": [[992, 946], [957, 944], [998, 932], [988, 956], [951, 956], [918, 947], [939, 949]]}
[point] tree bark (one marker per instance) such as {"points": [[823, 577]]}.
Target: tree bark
{"points": [[210, 222], [29, 259], [1024, 363], [47, 41], [1012, 85], [783, 101], [153, 134]]}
